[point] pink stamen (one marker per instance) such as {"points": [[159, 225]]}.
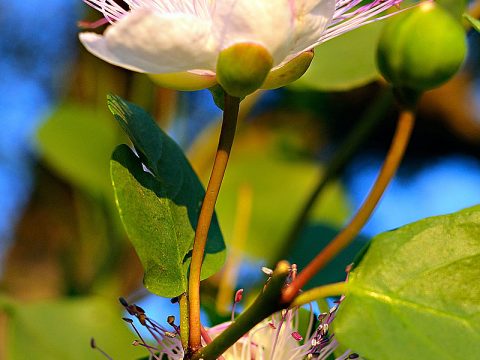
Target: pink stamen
{"points": [[205, 335], [297, 336], [92, 24], [238, 298], [238, 295]]}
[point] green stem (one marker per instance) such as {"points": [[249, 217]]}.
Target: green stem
{"points": [[347, 150], [184, 324], [267, 303], [320, 292], [227, 135]]}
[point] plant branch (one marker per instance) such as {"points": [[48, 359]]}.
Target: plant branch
{"points": [[347, 150], [267, 303], [227, 135], [392, 161]]}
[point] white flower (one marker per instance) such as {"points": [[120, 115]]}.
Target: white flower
{"points": [[186, 36], [278, 338], [275, 338]]}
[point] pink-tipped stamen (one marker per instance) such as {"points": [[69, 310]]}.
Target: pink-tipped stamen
{"points": [[89, 25]]}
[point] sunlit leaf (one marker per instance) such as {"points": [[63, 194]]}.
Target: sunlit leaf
{"points": [[416, 292], [160, 209], [63, 329]]}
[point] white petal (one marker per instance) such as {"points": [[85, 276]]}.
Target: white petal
{"points": [[148, 41], [311, 20], [266, 22]]}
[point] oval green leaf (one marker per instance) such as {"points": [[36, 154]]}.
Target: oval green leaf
{"points": [[159, 208], [416, 292]]}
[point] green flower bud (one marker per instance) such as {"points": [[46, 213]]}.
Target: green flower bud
{"points": [[421, 48], [243, 68]]}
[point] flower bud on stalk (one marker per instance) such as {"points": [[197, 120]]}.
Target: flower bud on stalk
{"points": [[421, 49], [242, 68], [250, 73]]}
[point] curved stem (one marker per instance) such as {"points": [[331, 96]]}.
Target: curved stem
{"points": [[320, 292], [227, 135], [348, 148], [397, 150]]}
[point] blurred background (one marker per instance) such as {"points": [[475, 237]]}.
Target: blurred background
{"points": [[64, 256]]}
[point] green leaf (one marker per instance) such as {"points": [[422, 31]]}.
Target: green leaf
{"points": [[76, 142], [63, 329], [160, 209], [416, 292], [475, 22], [345, 62]]}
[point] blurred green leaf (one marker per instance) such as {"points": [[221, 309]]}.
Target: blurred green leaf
{"points": [[63, 329], [345, 62], [416, 292], [475, 23], [76, 142], [270, 162], [209, 308], [160, 209], [456, 7], [312, 240]]}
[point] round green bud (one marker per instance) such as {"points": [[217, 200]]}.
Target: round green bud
{"points": [[421, 48], [242, 68]]}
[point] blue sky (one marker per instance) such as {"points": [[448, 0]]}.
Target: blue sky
{"points": [[35, 42]]}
